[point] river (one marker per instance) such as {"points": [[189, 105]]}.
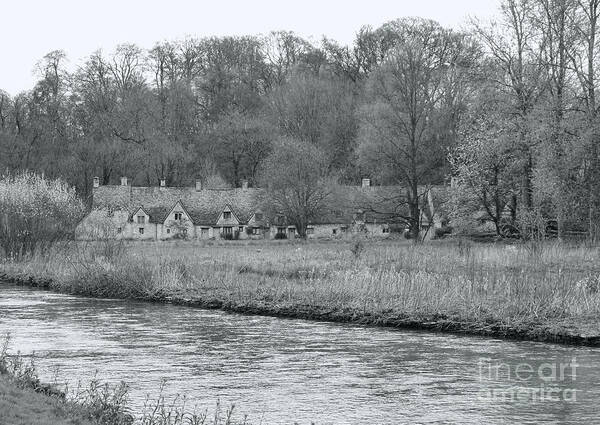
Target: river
{"points": [[285, 371]]}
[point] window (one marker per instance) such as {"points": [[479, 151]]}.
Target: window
{"points": [[344, 229], [204, 231], [258, 216], [178, 216], [241, 229], [110, 212], [226, 215], [119, 229], [335, 231], [168, 231], [141, 230], [256, 230], [310, 230], [141, 219], [385, 230], [227, 230], [281, 230]]}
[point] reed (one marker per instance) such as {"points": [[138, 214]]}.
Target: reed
{"points": [[506, 284]]}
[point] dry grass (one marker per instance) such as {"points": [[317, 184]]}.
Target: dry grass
{"points": [[460, 281]]}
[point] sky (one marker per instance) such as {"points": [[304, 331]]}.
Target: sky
{"points": [[31, 28]]}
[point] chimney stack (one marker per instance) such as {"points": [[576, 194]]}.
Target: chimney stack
{"points": [[96, 181], [163, 182], [366, 182], [198, 185], [244, 184], [123, 181]]}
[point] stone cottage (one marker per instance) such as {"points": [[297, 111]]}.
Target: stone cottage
{"points": [[160, 213]]}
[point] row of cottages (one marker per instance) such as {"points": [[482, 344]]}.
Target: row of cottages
{"points": [[161, 213]]}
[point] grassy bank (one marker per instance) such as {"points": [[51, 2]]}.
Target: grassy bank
{"points": [[23, 406], [25, 400], [539, 291]]}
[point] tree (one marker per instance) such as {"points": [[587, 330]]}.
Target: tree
{"points": [[241, 141], [320, 110], [295, 178], [406, 94], [282, 51], [483, 166], [514, 49], [583, 56]]}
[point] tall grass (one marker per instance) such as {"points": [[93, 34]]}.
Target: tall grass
{"points": [[486, 283]]}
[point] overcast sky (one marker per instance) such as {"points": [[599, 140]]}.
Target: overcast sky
{"points": [[29, 29]]}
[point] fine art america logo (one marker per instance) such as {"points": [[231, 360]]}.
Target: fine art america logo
{"points": [[526, 382]]}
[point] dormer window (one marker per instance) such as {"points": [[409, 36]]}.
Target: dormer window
{"points": [[141, 219], [178, 216], [258, 216], [227, 215]]}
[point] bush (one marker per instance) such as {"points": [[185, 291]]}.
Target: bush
{"points": [[35, 213], [441, 232], [357, 248]]}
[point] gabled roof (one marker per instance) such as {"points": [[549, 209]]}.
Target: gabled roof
{"points": [[157, 214], [228, 208], [203, 206], [170, 210], [379, 204]]}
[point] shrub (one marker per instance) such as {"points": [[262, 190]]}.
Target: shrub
{"points": [[441, 232], [357, 248], [35, 213]]}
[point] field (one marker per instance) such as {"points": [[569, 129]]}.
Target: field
{"points": [[538, 290]]}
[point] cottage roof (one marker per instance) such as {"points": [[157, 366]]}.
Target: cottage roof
{"points": [[156, 214], [203, 206], [373, 204]]}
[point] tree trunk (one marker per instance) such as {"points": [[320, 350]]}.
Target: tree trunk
{"points": [[413, 201]]}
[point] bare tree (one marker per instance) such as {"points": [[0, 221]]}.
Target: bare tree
{"points": [[583, 56], [398, 137], [515, 48], [295, 178]]}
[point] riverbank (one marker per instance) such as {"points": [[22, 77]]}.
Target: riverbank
{"points": [[25, 400], [546, 292], [22, 406]]}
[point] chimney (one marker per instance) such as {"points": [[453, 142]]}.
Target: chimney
{"points": [[123, 181], [198, 185], [96, 181], [244, 184], [366, 182], [163, 182]]}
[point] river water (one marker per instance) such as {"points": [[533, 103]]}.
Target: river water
{"points": [[286, 371]]}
